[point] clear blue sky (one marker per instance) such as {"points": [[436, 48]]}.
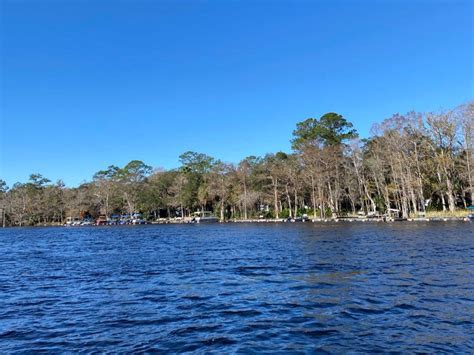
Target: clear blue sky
{"points": [[87, 84]]}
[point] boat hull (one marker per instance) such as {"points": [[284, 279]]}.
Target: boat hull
{"points": [[207, 220]]}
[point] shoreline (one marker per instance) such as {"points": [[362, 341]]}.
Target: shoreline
{"points": [[361, 220], [277, 221]]}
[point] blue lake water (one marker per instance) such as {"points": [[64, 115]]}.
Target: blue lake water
{"points": [[238, 288]]}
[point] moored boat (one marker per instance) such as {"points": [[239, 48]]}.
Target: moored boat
{"points": [[137, 218], [73, 221], [204, 217], [101, 221]]}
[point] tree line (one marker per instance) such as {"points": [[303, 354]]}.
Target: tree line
{"points": [[411, 163]]}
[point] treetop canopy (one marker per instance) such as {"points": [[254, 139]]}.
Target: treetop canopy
{"points": [[331, 129]]}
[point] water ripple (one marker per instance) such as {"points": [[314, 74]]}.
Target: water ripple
{"points": [[238, 288]]}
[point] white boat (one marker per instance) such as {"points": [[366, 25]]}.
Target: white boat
{"points": [[73, 221], [137, 218], [138, 221], [204, 217]]}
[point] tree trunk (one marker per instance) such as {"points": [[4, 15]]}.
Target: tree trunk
{"points": [[313, 196], [296, 204], [275, 196], [451, 202], [289, 201], [245, 199]]}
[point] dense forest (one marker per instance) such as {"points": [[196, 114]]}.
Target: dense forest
{"points": [[411, 163]]}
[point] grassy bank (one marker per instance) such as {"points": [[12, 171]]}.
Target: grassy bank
{"points": [[447, 214]]}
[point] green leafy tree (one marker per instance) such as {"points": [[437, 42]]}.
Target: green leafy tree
{"points": [[331, 129], [194, 167]]}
